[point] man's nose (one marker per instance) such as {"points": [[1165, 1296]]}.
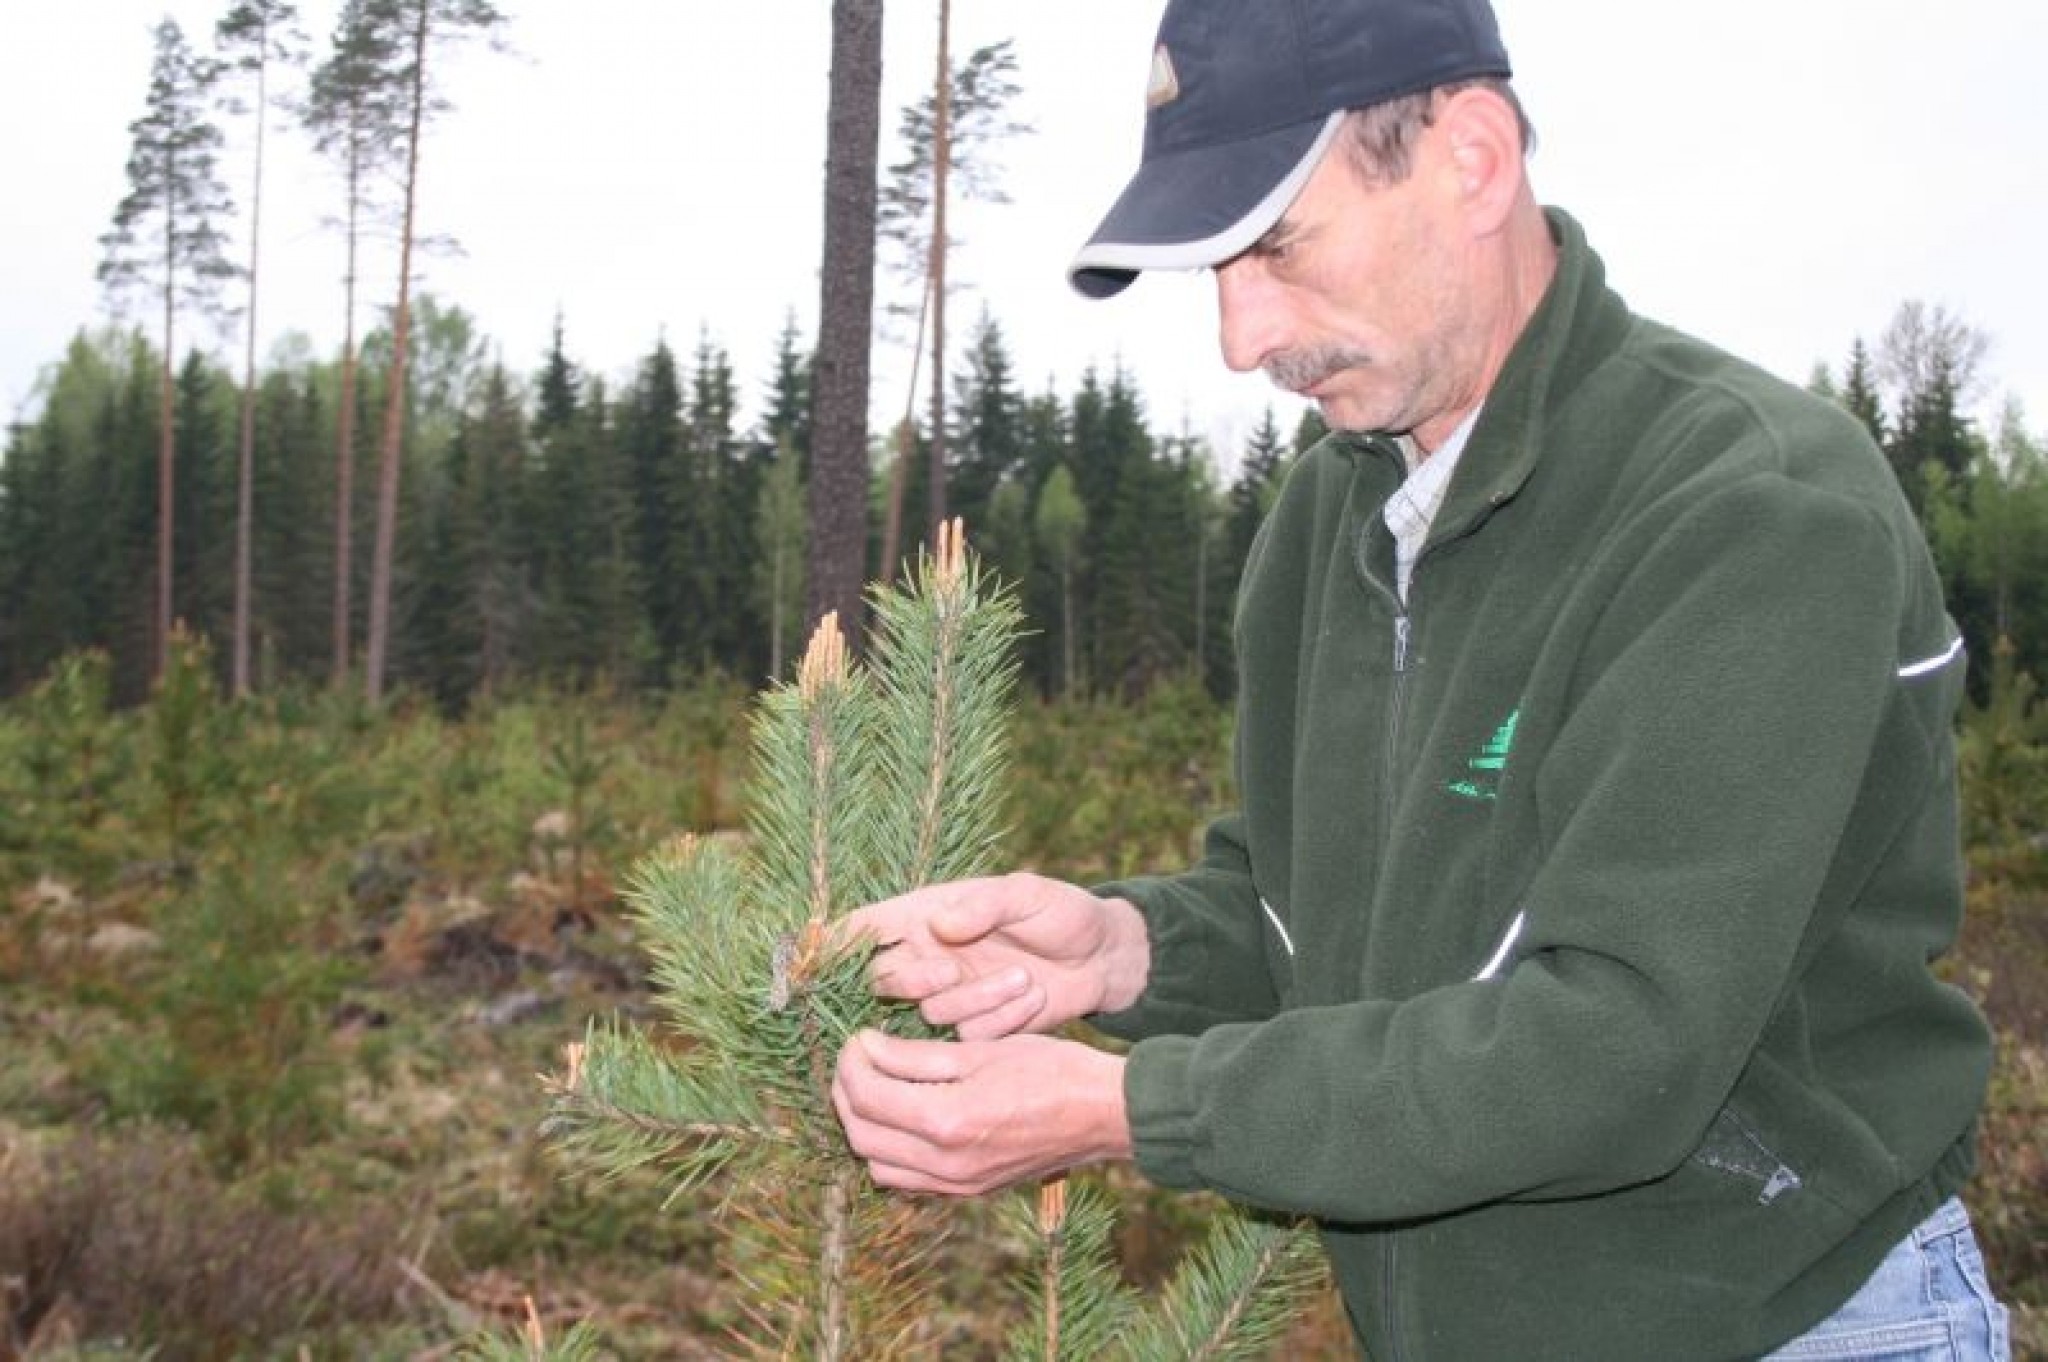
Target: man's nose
{"points": [[1245, 313]]}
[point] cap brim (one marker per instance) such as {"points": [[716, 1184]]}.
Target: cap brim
{"points": [[1192, 209]]}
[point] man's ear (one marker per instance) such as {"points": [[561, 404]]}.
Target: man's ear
{"points": [[1484, 138]]}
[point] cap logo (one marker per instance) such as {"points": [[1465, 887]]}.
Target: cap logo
{"points": [[1164, 86]]}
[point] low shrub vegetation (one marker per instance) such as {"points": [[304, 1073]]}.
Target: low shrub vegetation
{"points": [[276, 979]]}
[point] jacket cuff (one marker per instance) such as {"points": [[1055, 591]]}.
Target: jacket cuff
{"points": [[1161, 1111], [1173, 971]]}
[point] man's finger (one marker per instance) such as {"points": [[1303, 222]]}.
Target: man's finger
{"points": [[1017, 1015], [888, 921], [912, 1061], [902, 974], [975, 997], [978, 908]]}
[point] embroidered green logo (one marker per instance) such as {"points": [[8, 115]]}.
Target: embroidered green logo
{"points": [[1482, 781]]}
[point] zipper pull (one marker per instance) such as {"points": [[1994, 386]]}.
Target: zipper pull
{"points": [[1401, 628]]}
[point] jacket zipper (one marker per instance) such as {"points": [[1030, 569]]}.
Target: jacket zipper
{"points": [[1403, 629], [1396, 703]]}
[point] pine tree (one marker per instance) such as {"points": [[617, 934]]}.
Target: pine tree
{"points": [[867, 782], [846, 288], [947, 135], [416, 30], [254, 36], [353, 112], [166, 237]]}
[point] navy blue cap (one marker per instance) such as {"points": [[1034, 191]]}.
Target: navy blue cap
{"points": [[1244, 96]]}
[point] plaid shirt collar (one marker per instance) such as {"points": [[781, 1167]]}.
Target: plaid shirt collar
{"points": [[1414, 504]]}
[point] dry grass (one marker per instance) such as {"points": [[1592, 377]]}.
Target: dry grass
{"points": [[428, 1205], [136, 1239]]}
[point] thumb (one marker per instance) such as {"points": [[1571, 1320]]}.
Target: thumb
{"points": [[979, 908]]}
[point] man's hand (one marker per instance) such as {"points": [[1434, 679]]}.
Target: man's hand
{"points": [[965, 1117], [991, 957]]}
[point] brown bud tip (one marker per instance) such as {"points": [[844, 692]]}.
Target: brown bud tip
{"points": [[824, 661], [949, 555], [1052, 1205]]}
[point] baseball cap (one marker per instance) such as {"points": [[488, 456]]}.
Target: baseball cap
{"points": [[1242, 100]]}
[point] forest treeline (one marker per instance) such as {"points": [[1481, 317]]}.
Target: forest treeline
{"points": [[558, 528]]}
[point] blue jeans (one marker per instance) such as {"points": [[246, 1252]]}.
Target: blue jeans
{"points": [[1928, 1301]]}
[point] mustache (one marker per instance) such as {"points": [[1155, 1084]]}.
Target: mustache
{"points": [[1299, 370]]}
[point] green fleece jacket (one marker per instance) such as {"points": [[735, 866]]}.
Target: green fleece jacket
{"points": [[1569, 960]]}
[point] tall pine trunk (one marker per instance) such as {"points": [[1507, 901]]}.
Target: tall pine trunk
{"points": [[905, 444], [377, 646], [345, 470], [942, 165], [245, 469], [839, 400], [166, 457]]}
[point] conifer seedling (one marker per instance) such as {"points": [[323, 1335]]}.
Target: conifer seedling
{"points": [[867, 780]]}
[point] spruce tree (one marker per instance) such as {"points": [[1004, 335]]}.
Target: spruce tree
{"points": [[1859, 392], [204, 499], [988, 419], [1929, 359], [724, 630], [651, 443], [292, 551], [1259, 474], [1059, 527], [501, 587], [788, 414], [1136, 559], [867, 781], [779, 551]]}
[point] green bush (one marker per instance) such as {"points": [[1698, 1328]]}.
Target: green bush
{"points": [[229, 1021]]}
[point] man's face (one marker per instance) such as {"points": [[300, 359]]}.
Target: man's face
{"points": [[1357, 298]]}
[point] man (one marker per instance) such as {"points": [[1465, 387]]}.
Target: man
{"points": [[1568, 961]]}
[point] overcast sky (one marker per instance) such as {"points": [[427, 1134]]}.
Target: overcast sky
{"points": [[1774, 175]]}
